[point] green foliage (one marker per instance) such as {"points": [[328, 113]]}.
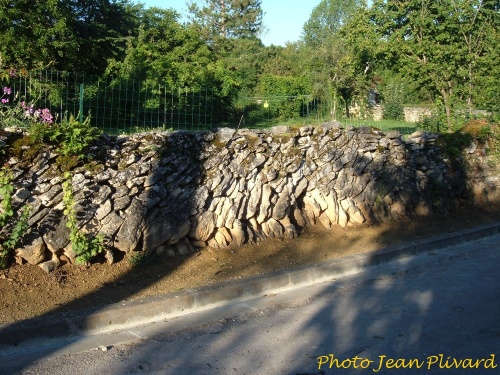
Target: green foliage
{"points": [[327, 19], [6, 190], [394, 92], [454, 143], [86, 249], [285, 94], [340, 46], [141, 259], [221, 20], [72, 136], [432, 124], [440, 44], [65, 34], [17, 232], [163, 51], [12, 230], [26, 148]]}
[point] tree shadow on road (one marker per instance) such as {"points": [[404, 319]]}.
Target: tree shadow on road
{"points": [[414, 310]]}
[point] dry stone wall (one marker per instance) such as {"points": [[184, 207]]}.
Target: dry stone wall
{"points": [[173, 193]]}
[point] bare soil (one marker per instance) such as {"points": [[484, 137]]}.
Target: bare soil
{"points": [[27, 291]]}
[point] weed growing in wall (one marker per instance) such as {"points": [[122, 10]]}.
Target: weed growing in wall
{"points": [[12, 228], [85, 248]]}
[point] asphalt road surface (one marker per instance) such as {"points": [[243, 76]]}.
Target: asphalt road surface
{"points": [[437, 313]]}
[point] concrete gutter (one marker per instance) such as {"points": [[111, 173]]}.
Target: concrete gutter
{"points": [[130, 313]]}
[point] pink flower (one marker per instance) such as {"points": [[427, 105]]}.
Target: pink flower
{"points": [[46, 116], [7, 90], [5, 101]]}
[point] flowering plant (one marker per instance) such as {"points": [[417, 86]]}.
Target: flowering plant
{"points": [[19, 114]]}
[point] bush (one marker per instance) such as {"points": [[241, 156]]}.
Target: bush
{"points": [[72, 137], [394, 111]]}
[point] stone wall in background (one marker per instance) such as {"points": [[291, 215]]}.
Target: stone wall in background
{"points": [[416, 114], [173, 193]]}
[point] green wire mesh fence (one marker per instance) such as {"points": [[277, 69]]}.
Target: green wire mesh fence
{"points": [[120, 105], [126, 106]]}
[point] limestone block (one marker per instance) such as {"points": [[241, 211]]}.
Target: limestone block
{"points": [[164, 230], [227, 235], [54, 231], [397, 210], [121, 203], [300, 187], [319, 198], [332, 208], [32, 248], [290, 231], [221, 217], [103, 210], [282, 206], [356, 216], [254, 200], [225, 134], [203, 227], [300, 218], [237, 233], [49, 266], [423, 209], [102, 195], [272, 228], [221, 239], [343, 217], [325, 220], [182, 248], [130, 232], [311, 208], [110, 224]]}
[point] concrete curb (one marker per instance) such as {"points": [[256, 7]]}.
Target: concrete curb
{"points": [[129, 313]]}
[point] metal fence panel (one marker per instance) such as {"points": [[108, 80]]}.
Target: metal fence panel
{"points": [[126, 106]]}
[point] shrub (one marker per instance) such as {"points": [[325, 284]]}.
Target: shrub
{"points": [[72, 137]]}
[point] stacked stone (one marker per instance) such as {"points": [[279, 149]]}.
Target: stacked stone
{"points": [[173, 193]]}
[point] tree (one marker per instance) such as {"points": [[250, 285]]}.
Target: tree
{"points": [[243, 60], [437, 43], [35, 34], [219, 20], [326, 19], [479, 31], [73, 35], [101, 29], [339, 54], [164, 51]]}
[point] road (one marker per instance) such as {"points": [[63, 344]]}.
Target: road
{"points": [[418, 315]]}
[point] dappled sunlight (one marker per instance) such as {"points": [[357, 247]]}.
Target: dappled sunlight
{"points": [[422, 299]]}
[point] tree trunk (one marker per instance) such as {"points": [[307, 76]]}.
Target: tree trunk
{"points": [[447, 107], [223, 21], [346, 96]]}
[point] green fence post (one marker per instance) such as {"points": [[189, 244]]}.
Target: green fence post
{"points": [[82, 90]]}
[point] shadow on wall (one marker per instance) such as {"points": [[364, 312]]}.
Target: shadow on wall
{"points": [[174, 193]]}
